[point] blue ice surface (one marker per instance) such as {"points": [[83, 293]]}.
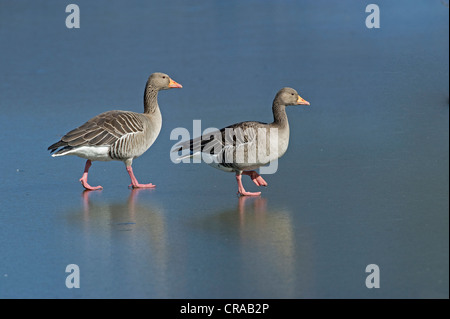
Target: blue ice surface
{"points": [[364, 181]]}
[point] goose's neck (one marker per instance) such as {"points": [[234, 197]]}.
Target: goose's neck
{"points": [[279, 114], [150, 100]]}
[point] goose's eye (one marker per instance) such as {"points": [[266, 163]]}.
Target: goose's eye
{"points": [[292, 94], [164, 77]]}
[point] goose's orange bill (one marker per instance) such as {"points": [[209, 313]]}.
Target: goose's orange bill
{"points": [[302, 101], [173, 84]]}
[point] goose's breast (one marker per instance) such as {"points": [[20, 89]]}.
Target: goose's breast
{"points": [[152, 129], [283, 142], [134, 144], [279, 142]]}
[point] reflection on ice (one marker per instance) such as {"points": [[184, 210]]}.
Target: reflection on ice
{"points": [[263, 235], [127, 238]]}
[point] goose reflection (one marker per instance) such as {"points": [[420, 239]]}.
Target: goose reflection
{"points": [[269, 233], [120, 213], [265, 239], [128, 238], [123, 216]]}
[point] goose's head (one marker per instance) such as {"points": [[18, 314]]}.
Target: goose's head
{"points": [[161, 81], [289, 96]]}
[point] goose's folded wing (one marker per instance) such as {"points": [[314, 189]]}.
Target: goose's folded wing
{"points": [[104, 129], [224, 142]]}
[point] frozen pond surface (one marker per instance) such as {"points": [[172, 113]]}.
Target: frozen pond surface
{"points": [[365, 179]]}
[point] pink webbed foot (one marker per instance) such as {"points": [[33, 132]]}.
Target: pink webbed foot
{"points": [[84, 178], [256, 178], [241, 189], [88, 187], [135, 183], [245, 193], [141, 185]]}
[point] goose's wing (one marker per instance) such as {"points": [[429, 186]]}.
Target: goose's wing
{"points": [[224, 142], [104, 129]]}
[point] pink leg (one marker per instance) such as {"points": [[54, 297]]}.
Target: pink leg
{"points": [[256, 178], [83, 179], [134, 182], [241, 189]]}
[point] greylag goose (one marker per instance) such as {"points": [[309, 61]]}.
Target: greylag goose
{"points": [[246, 146], [118, 135]]}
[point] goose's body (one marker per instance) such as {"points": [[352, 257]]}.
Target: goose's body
{"points": [[118, 135], [241, 146], [113, 135], [246, 146]]}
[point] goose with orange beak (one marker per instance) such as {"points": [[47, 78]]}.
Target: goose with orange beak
{"points": [[118, 135], [243, 147]]}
